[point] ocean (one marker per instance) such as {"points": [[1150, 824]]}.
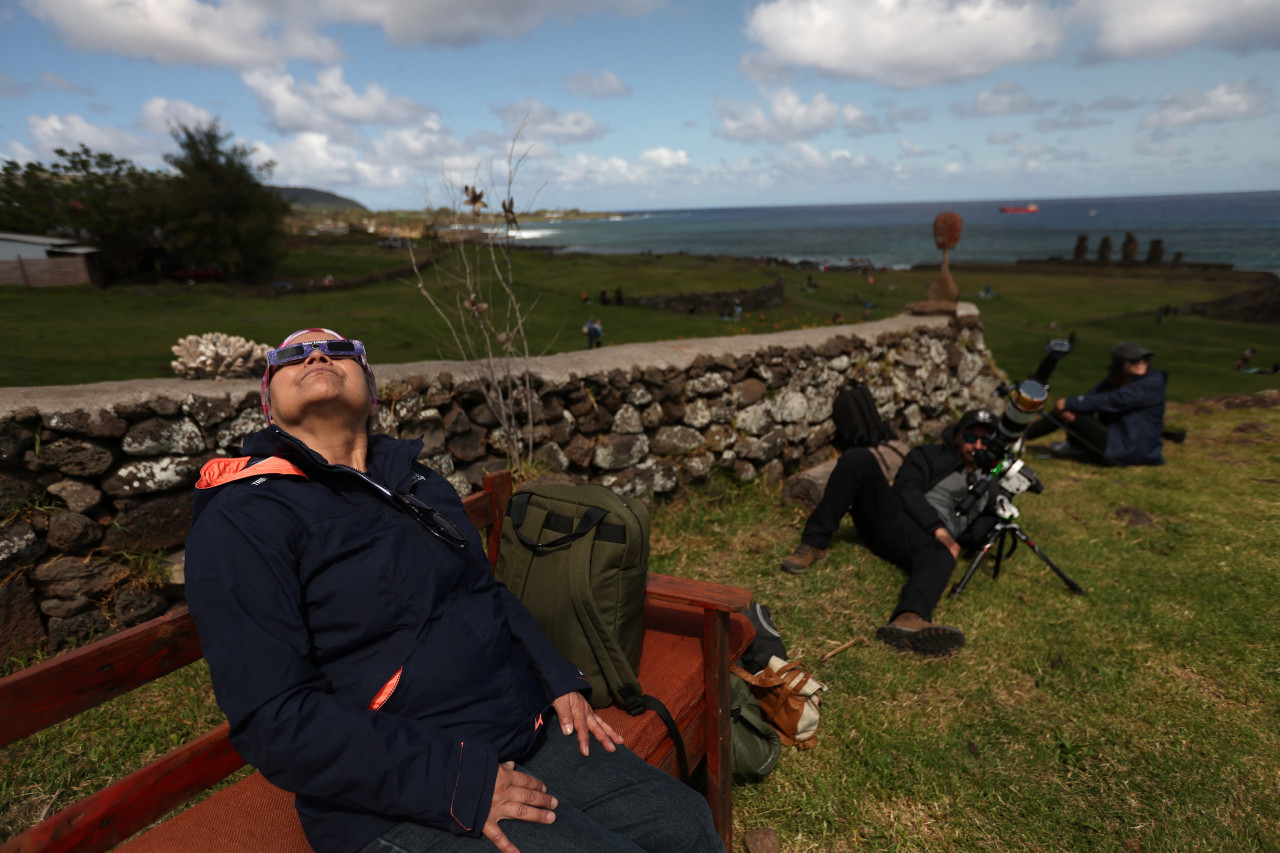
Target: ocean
{"points": [[1241, 229]]}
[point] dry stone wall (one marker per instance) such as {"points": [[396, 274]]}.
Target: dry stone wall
{"points": [[96, 480]]}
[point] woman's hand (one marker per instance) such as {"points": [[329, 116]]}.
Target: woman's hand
{"points": [[577, 715], [518, 796], [1060, 406]]}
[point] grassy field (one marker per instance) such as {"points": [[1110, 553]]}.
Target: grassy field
{"points": [[1138, 717], [82, 334]]}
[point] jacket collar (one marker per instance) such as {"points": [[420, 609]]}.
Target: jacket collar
{"points": [[390, 459]]}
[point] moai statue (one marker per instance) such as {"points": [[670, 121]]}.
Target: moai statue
{"points": [[1177, 257], [946, 234], [1104, 251], [1129, 248], [1156, 253], [1081, 252]]}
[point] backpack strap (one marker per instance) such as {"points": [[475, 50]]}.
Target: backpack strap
{"points": [[518, 508], [637, 703]]}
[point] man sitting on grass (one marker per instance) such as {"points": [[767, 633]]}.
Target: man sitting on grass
{"points": [[916, 524]]}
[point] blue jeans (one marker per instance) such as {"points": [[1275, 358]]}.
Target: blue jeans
{"points": [[608, 802]]}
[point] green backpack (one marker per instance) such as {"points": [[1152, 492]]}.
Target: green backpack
{"points": [[756, 746], [578, 557]]}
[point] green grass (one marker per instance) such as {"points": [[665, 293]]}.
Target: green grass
{"points": [[1140, 716], [81, 334]]}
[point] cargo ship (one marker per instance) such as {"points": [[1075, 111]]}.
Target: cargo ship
{"points": [[1026, 208]]}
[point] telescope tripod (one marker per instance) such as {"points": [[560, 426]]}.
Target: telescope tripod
{"points": [[1008, 532]]}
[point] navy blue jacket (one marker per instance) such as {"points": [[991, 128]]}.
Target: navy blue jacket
{"points": [[311, 592], [1134, 415]]}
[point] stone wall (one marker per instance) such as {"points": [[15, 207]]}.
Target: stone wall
{"points": [[720, 301], [96, 480]]}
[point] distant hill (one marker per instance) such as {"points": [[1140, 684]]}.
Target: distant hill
{"points": [[307, 197]]}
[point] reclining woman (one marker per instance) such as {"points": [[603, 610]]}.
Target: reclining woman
{"points": [[1120, 420], [368, 662]]}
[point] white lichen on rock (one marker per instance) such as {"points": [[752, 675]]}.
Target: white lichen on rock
{"points": [[215, 355]]}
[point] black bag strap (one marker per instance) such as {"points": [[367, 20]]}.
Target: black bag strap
{"points": [[637, 703], [519, 507]]}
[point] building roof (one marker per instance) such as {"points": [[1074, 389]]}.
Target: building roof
{"points": [[35, 238]]}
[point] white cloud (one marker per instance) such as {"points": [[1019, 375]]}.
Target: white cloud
{"points": [[62, 84], [247, 34], [802, 156], [19, 153], [234, 33], [664, 158], [1006, 99], [1070, 117], [328, 103], [910, 149], [587, 169], [902, 43], [534, 121], [1222, 103], [1138, 28], [604, 84], [316, 160], [788, 118], [453, 23], [160, 115], [70, 131]]}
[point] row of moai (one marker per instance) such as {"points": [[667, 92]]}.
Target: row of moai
{"points": [[1128, 250]]}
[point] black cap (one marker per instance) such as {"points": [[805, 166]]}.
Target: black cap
{"points": [[1130, 351], [975, 417]]}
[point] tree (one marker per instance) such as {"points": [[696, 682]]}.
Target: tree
{"points": [[477, 300], [218, 210], [90, 197]]}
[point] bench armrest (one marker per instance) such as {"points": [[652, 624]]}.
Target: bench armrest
{"points": [[56, 689], [702, 594]]}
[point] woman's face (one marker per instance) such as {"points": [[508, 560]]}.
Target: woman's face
{"points": [[1136, 368], [318, 381]]}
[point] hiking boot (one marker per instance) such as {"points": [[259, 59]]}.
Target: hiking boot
{"points": [[804, 557], [909, 632]]}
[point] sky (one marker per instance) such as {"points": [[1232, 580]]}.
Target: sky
{"points": [[621, 105]]}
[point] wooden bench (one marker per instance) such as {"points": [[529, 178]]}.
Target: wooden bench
{"points": [[692, 630]]}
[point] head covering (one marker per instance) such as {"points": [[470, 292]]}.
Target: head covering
{"points": [[1130, 351], [976, 417], [364, 363]]}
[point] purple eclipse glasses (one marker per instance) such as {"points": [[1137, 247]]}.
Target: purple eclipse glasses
{"points": [[298, 352]]}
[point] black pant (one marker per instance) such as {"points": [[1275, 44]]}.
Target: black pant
{"points": [[1085, 432], [858, 487]]}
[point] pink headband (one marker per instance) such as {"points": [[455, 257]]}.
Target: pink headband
{"points": [[364, 363]]}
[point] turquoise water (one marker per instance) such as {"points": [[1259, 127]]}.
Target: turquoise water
{"points": [[1242, 229]]}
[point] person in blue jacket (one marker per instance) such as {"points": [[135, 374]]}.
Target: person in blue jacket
{"points": [[1121, 419], [368, 662]]}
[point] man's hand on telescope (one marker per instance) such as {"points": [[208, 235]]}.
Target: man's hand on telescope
{"points": [[1060, 406], [949, 543]]}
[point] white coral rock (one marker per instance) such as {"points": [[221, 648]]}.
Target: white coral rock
{"points": [[215, 355]]}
